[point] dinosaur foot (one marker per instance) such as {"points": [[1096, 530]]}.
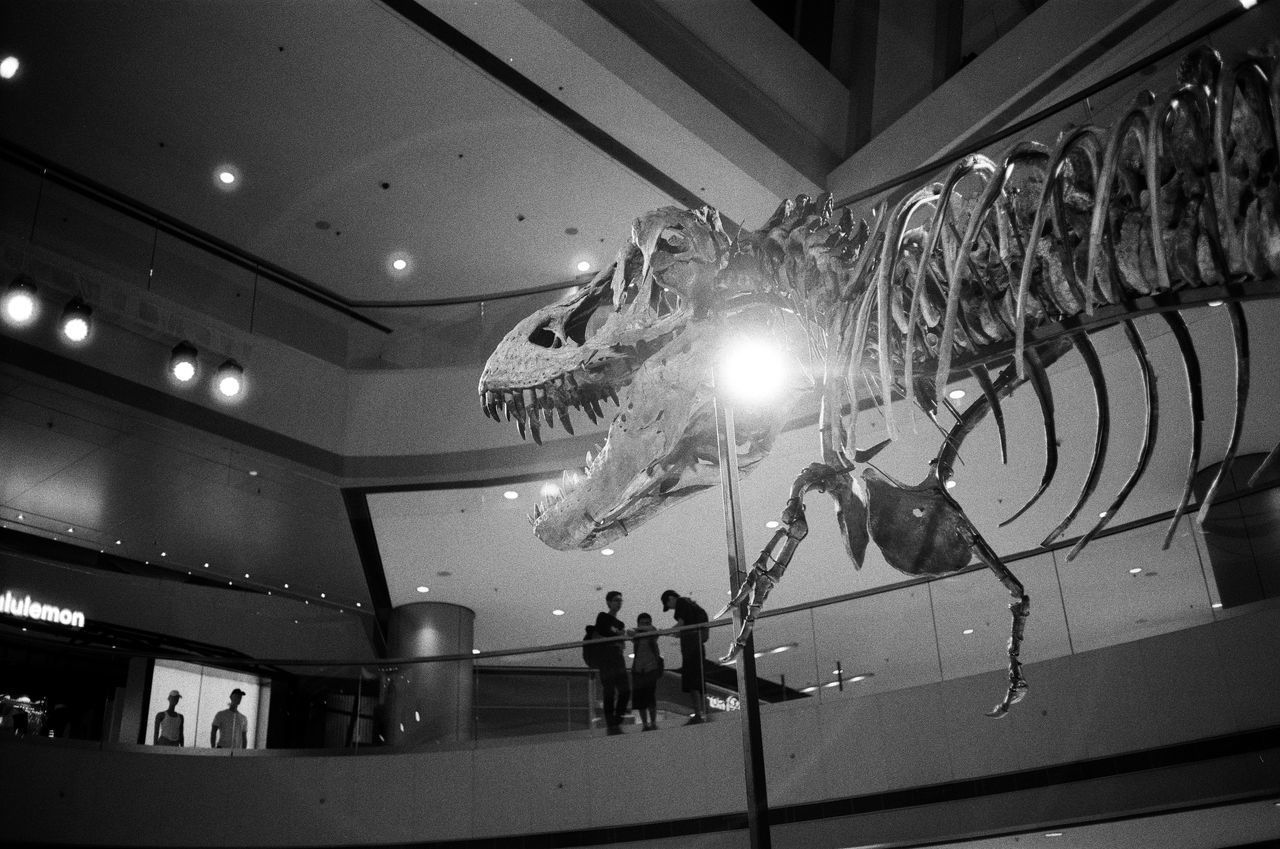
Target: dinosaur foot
{"points": [[1017, 692], [735, 649]]}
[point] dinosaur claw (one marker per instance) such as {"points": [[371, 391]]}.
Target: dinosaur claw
{"points": [[734, 651]]}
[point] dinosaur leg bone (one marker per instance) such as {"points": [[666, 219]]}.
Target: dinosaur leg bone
{"points": [[767, 571], [921, 530], [1019, 608]]}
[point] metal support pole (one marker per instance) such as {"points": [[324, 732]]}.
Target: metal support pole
{"points": [[752, 745]]}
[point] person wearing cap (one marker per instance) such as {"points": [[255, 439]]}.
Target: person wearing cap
{"points": [[169, 729], [230, 726]]}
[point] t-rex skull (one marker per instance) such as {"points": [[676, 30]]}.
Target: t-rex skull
{"points": [[648, 327]]}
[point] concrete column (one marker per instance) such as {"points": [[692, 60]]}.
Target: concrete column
{"points": [[429, 702]]}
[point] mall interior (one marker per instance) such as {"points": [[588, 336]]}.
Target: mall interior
{"points": [[291, 232]]}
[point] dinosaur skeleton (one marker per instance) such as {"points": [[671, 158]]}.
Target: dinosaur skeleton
{"points": [[1007, 264]]}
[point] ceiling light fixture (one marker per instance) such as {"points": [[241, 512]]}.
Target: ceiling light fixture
{"points": [[420, 589], [557, 612], [226, 177], [967, 631], [771, 524], [1135, 570], [399, 264], [77, 321], [607, 552], [184, 362], [956, 394], [230, 379], [9, 67], [584, 266], [951, 484], [20, 306], [510, 495]]}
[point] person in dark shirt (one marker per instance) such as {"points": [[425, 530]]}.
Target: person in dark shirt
{"points": [[613, 664], [693, 653]]}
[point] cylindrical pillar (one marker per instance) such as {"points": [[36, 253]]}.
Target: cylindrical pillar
{"points": [[429, 702]]}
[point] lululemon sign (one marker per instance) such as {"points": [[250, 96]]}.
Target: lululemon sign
{"points": [[23, 606]]}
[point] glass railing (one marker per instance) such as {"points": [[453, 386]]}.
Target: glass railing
{"points": [[1121, 589]]}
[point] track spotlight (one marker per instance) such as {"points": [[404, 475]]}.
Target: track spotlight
{"points": [[230, 379], [20, 301], [183, 363], [77, 320]]}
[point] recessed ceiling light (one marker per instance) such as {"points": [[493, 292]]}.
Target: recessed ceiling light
{"points": [[607, 552], [1102, 515], [253, 473], [951, 484], [73, 530], [1135, 570], [118, 542], [956, 394], [9, 67], [1216, 605], [557, 612], [967, 631], [584, 266], [322, 595], [772, 523], [510, 495], [226, 177], [246, 574], [1215, 303], [1053, 834], [399, 264], [424, 589], [286, 586], [809, 689], [358, 604], [475, 651]]}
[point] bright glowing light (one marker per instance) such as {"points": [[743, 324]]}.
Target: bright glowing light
{"points": [[771, 524], [1248, 4], [1135, 570], [230, 380], [75, 320], [182, 362], [584, 266], [751, 371], [557, 612], [1215, 303], [951, 484], [967, 631], [607, 552], [20, 301], [399, 264], [510, 495], [420, 589], [955, 394], [9, 67], [226, 177]]}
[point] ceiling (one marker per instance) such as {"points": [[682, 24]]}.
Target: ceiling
{"points": [[494, 152]]}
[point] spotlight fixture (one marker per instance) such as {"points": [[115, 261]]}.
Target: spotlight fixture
{"points": [[77, 320], [183, 362], [230, 379], [9, 67], [20, 301]]}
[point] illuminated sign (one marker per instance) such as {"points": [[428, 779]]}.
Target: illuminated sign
{"points": [[25, 608]]}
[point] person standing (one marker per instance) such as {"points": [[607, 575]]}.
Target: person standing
{"points": [[613, 664], [646, 669], [693, 653], [169, 730], [230, 726]]}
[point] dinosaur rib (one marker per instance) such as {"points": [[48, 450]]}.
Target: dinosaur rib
{"points": [[1191, 370], [988, 391], [1085, 347], [1134, 121], [1240, 336], [1044, 394], [1148, 437], [1005, 383]]}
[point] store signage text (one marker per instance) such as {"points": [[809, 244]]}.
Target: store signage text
{"points": [[24, 608]]}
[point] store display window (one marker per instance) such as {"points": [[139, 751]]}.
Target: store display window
{"points": [[236, 703]]}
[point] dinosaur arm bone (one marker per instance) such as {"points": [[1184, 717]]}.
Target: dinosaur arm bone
{"points": [[767, 571]]}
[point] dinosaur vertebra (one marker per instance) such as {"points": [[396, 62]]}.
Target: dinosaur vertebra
{"points": [[1016, 263]]}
